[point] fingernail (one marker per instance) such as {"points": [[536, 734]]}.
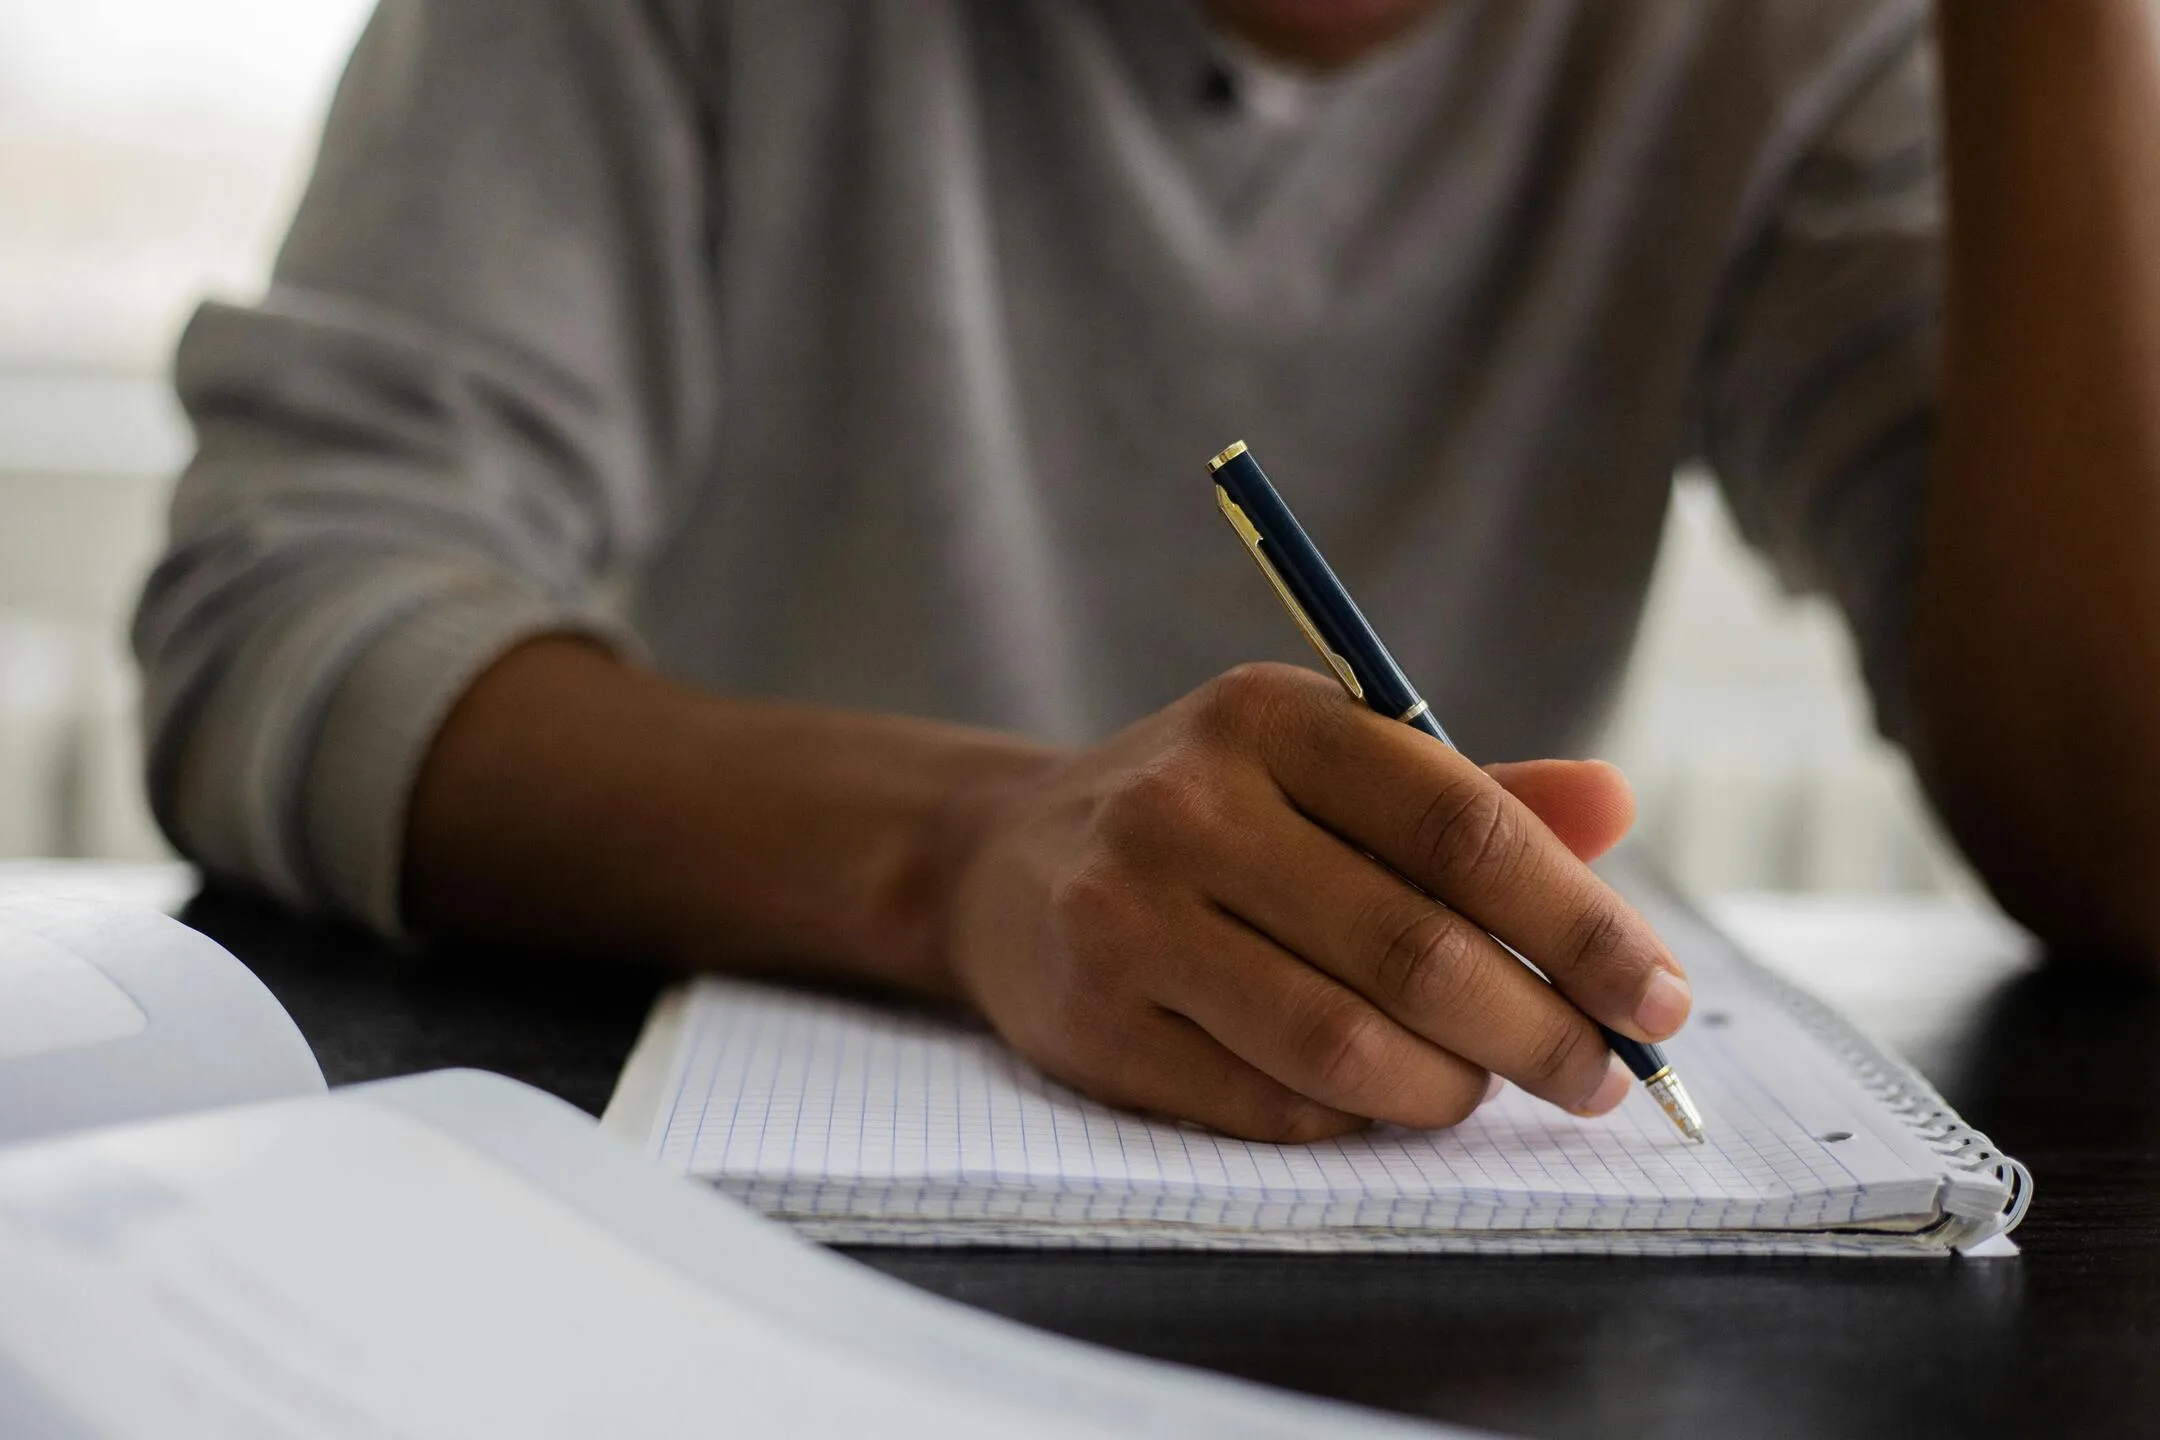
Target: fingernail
{"points": [[1664, 1005], [1611, 1092], [1493, 1087]]}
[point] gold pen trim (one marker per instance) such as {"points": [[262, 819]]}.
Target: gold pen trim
{"points": [[1413, 712], [1250, 534], [1237, 448]]}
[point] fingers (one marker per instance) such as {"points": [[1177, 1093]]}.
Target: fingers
{"points": [[1435, 975], [1314, 1035], [1171, 1066], [1264, 909], [1588, 805], [1456, 833]]}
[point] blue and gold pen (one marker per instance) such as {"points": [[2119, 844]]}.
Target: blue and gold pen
{"points": [[1337, 629]]}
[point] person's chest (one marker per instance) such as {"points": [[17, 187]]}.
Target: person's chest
{"points": [[994, 277], [1527, 208]]}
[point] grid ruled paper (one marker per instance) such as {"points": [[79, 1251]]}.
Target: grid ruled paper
{"points": [[855, 1120]]}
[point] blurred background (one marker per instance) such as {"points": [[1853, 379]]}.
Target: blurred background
{"points": [[150, 151]]}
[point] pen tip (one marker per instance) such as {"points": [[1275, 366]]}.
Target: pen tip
{"points": [[1679, 1106]]}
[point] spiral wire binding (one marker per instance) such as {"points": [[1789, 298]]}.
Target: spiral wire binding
{"points": [[1902, 1089]]}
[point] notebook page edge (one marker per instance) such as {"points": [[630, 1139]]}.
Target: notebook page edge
{"points": [[1856, 1050], [1964, 1189], [652, 1076], [774, 1180], [1769, 988], [1830, 1243]]}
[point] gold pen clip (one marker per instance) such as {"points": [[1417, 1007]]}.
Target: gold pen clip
{"points": [[1250, 534]]}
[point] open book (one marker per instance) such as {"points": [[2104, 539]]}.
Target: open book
{"points": [[452, 1255], [859, 1124], [121, 1013]]}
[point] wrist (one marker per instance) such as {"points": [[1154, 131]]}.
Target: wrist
{"points": [[913, 928]]}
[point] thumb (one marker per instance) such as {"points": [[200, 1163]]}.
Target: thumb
{"points": [[1587, 803]]}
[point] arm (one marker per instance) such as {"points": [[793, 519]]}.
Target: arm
{"points": [[483, 383], [1186, 918], [575, 803], [2036, 644], [483, 360]]}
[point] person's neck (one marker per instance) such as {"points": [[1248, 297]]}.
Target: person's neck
{"points": [[1276, 31]]}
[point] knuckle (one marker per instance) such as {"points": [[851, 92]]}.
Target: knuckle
{"points": [[1600, 943], [1157, 803], [1456, 1106], [1342, 1048], [1468, 835], [1251, 699], [1289, 1119], [1563, 1048], [1427, 960], [1094, 900]]}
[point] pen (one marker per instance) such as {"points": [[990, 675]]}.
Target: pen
{"points": [[1337, 629]]}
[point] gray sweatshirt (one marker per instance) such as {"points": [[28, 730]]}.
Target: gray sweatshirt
{"points": [[870, 352]]}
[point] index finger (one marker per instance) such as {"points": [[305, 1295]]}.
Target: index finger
{"points": [[1446, 826]]}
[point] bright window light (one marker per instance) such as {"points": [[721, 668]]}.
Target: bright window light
{"points": [[150, 152]]}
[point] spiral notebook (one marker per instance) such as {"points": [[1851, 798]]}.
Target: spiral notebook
{"points": [[867, 1125]]}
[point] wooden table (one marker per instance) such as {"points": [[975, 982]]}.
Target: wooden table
{"points": [[2059, 1063]]}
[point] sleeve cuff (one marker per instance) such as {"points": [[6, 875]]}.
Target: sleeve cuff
{"points": [[381, 719]]}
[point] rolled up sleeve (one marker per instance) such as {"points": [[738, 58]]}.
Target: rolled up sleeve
{"points": [[1820, 382], [456, 416]]}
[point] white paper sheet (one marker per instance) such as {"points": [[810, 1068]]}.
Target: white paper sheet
{"points": [[53, 999], [336, 1267], [852, 1119]]}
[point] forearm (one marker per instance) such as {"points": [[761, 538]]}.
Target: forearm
{"points": [[574, 802], [2036, 665]]}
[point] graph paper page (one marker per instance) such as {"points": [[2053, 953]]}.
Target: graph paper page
{"points": [[840, 1106]]}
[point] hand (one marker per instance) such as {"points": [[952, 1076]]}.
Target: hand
{"points": [[1265, 909]]}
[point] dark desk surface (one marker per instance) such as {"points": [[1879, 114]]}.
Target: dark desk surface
{"points": [[2064, 1341]]}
